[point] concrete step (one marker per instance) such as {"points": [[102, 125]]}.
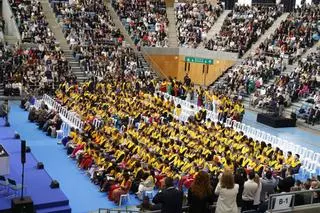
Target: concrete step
{"points": [[11, 40], [172, 31], [215, 29], [267, 34], [57, 30], [118, 24]]}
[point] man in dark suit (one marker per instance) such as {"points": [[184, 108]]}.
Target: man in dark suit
{"points": [[285, 183], [170, 198]]}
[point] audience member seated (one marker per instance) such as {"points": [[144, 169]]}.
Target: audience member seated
{"points": [[194, 20], [242, 27], [298, 32], [34, 70], [31, 21], [146, 21], [95, 41]]}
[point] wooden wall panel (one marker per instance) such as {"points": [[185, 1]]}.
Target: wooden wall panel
{"points": [[169, 64], [174, 66]]}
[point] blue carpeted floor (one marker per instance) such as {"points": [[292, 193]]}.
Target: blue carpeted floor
{"points": [[292, 134], [36, 181], [82, 194]]}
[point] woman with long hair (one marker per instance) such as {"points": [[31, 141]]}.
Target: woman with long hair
{"points": [[200, 194], [227, 191], [123, 188]]}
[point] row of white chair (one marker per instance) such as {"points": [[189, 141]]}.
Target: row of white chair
{"points": [[305, 154], [188, 109]]}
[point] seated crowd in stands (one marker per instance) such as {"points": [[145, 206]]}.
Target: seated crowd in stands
{"points": [[34, 69], [95, 41], [100, 60], [287, 88], [194, 20], [140, 141], [299, 31], [242, 27], [305, 80], [146, 21], [31, 21], [86, 23]]}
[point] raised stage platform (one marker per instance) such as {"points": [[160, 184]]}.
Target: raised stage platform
{"points": [[37, 182], [270, 119]]}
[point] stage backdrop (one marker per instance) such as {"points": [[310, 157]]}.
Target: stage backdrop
{"points": [[203, 66]]}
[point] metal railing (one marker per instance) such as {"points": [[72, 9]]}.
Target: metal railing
{"points": [[185, 209], [71, 118], [283, 202]]}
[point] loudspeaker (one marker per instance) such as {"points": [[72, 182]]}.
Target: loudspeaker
{"points": [[23, 151], [40, 165], [54, 184], [22, 206], [28, 149], [16, 135]]}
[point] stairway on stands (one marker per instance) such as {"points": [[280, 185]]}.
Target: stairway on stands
{"points": [[172, 30], [215, 29], [294, 105], [141, 55], [57, 31], [266, 34]]}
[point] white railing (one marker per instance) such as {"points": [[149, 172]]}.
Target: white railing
{"points": [[310, 159], [189, 108], [72, 119]]}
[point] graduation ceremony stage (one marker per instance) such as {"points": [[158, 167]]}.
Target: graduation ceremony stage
{"points": [[37, 182]]}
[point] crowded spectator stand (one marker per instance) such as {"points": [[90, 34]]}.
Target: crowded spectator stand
{"points": [[31, 21], [242, 27], [306, 87], [194, 20], [95, 41], [145, 20], [35, 70], [297, 33]]}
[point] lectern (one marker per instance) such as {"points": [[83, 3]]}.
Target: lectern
{"points": [[4, 161]]}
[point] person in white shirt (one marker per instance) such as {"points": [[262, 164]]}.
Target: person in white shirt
{"points": [[249, 190], [256, 200], [227, 191]]}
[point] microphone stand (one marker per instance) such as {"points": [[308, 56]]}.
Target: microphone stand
{"points": [[21, 198]]}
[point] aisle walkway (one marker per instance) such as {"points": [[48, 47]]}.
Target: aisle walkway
{"points": [[83, 195]]}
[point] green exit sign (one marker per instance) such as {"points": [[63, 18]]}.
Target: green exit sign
{"points": [[198, 60]]}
